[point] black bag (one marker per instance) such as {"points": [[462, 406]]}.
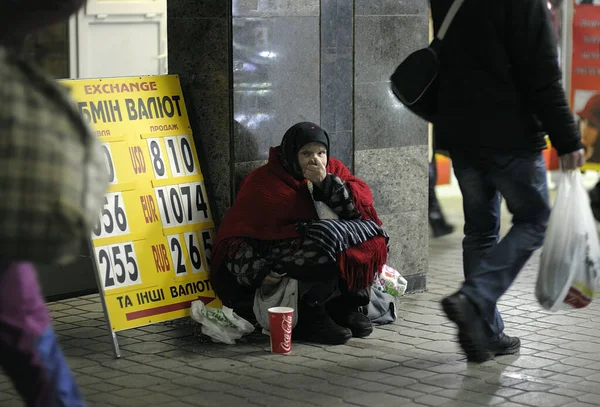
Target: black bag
{"points": [[415, 81]]}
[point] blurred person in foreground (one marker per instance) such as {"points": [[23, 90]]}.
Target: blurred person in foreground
{"points": [[29, 351], [500, 92]]}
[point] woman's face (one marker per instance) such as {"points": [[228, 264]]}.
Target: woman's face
{"points": [[310, 154], [589, 135]]}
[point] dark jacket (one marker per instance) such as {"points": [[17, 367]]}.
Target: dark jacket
{"points": [[500, 80]]}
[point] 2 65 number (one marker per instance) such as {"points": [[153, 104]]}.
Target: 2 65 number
{"points": [[181, 245], [207, 240]]}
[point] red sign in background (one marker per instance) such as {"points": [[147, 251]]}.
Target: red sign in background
{"points": [[585, 66], [585, 63]]}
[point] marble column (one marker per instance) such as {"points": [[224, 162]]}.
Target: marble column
{"points": [[337, 55], [199, 52], [390, 142], [276, 78]]}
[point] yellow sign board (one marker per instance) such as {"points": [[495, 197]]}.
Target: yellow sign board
{"points": [[153, 238]]}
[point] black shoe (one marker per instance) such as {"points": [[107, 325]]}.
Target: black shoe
{"points": [[315, 325], [345, 312], [506, 345], [471, 328], [360, 325], [439, 227]]}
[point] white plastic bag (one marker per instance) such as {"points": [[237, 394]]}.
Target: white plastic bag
{"points": [[220, 324], [390, 281], [569, 267], [284, 295]]}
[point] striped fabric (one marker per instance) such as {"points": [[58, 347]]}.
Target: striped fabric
{"points": [[334, 236]]}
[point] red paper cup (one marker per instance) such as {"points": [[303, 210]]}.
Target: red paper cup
{"points": [[281, 321]]}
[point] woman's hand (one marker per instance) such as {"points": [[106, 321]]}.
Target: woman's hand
{"points": [[316, 172]]}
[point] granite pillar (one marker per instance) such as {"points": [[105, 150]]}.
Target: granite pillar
{"points": [[275, 74], [337, 54], [391, 143], [199, 52]]}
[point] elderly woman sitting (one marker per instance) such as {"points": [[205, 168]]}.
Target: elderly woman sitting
{"points": [[304, 218]]}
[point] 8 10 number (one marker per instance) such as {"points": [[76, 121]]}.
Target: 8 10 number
{"points": [[179, 155]]}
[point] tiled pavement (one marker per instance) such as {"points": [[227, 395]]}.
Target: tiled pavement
{"points": [[413, 362]]}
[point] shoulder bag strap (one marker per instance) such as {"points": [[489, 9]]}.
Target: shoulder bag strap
{"points": [[448, 19]]}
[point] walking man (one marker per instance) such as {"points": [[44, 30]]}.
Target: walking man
{"points": [[500, 93]]}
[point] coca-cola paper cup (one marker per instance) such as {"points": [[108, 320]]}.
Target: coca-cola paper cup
{"points": [[280, 325]]}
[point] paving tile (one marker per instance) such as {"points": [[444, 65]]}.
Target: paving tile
{"points": [[383, 400], [536, 398], [507, 392], [590, 398], [487, 400], [407, 393], [362, 385], [529, 362], [211, 399], [399, 381], [567, 392], [567, 378], [433, 400], [104, 387], [368, 365], [133, 381], [445, 346], [424, 388]]}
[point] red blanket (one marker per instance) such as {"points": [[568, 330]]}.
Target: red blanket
{"points": [[271, 202]]}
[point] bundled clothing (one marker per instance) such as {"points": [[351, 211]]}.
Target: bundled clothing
{"points": [[273, 225], [274, 229]]}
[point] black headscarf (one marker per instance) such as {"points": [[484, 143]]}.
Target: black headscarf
{"points": [[297, 136]]}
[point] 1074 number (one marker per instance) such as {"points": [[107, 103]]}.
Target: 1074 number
{"points": [[182, 204]]}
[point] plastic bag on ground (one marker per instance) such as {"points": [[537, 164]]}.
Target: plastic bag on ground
{"points": [[390, 281], [569, 266], [222, 325]]}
